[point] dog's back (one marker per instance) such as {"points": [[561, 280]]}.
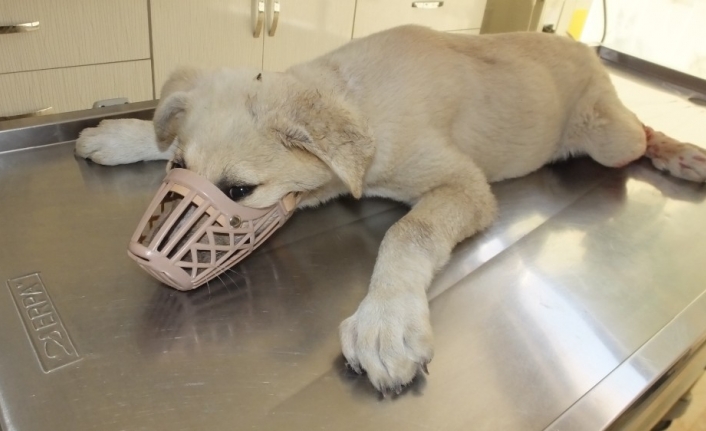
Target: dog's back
{"points": [[491, 95]]}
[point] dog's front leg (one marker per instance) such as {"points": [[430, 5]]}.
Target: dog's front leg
{"points": [[117, 142], [390, 335]]}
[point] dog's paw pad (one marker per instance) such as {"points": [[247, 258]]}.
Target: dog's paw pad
{"points": [[682, 160]]}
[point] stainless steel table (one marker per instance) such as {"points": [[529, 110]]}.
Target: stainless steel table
{"points": [[583, 305]]}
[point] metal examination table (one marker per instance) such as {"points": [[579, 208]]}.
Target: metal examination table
{"points": [[584, 305]]}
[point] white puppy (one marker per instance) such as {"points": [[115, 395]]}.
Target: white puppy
{"points": [[410, 114]]}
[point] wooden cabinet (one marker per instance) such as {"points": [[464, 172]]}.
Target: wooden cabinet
{"points": [[375, 15], [75, 53], [83, 51], [215, 33]]}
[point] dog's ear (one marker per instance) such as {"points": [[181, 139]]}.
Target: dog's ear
{"points": [[181, 79], [173, 102], [332, 133], [167, 116]]}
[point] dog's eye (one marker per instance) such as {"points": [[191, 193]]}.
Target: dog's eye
{"points": [[238, 192]]}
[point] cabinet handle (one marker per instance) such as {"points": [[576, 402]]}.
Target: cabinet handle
{"points": [[258, 16], [29, 114], [275, 17], [19, 28], [427, 4]]}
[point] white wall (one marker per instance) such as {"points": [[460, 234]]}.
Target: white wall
{"points": [[671, 33]]}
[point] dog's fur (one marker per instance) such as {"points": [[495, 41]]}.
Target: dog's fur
{"points": [[410, 114]]}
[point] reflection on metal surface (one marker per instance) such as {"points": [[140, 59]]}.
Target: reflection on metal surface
{"points": [[549, 317], [666, 365]]}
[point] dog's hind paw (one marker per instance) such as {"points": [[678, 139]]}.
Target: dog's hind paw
{"points": [[391, 340], [117, 142], [682, 160]]}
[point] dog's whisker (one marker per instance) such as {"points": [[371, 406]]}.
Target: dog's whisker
{"points": [[224, 283], [234, 272], [231, 279]]}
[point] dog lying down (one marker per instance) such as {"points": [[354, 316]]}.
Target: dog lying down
{"points": [[409, 114]]}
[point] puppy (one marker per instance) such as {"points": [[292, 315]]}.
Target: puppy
{"points": [[410, 114]]}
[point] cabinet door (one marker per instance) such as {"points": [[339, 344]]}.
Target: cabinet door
{"points": [[202, 33], [306, 29]]}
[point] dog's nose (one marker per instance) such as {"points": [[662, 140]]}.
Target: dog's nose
{"points": [[160, 267]]}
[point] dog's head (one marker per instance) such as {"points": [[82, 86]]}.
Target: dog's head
{"points": [[259, 136]]}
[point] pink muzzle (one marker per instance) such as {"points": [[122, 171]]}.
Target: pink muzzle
{"points": [[192, 232]]}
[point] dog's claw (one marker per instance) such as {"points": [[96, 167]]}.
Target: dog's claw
{"points": [[398, 389], [425, 369], [355, 367]]}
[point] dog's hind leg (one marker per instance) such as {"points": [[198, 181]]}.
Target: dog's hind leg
{"points": [[613, 136], [605, 129], [622, 139], [117, 142], [390, 336]]}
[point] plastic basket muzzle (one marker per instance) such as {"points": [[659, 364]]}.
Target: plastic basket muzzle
{"points": [[192, 232]]}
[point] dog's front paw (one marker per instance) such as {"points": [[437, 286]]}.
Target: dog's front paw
{"points": [[117, 142], [682, 160], [390, 339]]}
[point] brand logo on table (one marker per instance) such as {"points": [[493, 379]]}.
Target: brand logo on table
{"points": [[47, 333]]}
